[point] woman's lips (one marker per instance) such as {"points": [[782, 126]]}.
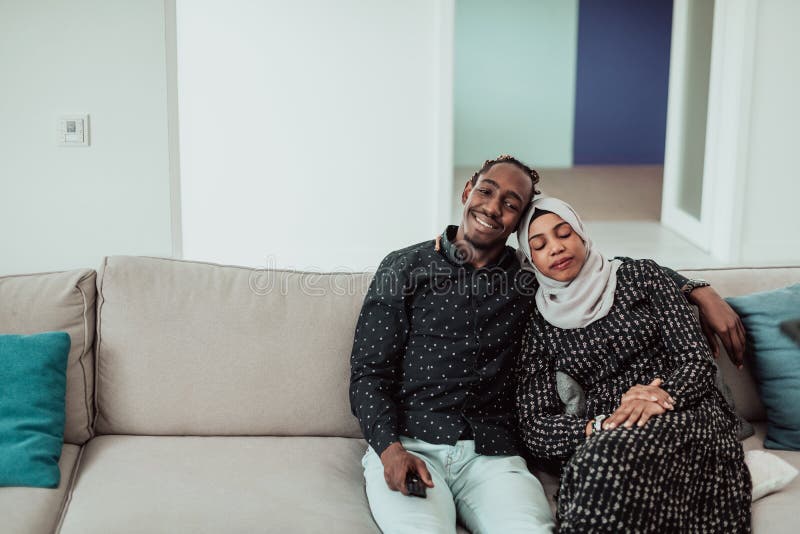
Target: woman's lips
{"points": [[560, 265]]}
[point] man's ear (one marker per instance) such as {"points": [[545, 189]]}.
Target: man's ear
{"points": [[467, 190]]}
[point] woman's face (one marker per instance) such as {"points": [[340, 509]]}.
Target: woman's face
{"points": [[556, 250]]}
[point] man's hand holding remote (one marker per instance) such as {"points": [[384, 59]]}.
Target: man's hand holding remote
{"points": [[397, 462]]}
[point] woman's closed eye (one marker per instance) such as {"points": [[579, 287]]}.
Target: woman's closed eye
{"points": [[564, 232], [537, 243]]}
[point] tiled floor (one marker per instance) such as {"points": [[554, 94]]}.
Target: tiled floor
{"points": [[621, 208]]}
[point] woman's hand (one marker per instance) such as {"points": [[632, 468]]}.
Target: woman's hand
{"points": [[718, 319], [651, 392], [633, 412]]}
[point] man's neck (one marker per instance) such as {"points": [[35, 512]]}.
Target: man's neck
{"points": [[478, 257]]}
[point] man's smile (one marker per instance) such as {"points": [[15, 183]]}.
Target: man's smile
{"points": [[485, 222]]}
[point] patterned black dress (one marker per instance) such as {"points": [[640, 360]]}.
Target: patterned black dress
{"points": [[684, 470]]}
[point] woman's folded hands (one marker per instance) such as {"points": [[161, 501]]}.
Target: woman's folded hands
{"points": [[639, 404]]}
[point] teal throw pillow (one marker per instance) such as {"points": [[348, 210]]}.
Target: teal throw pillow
{"points": [[775, 360], [33, 386]]}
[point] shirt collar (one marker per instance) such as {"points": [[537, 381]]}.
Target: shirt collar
{"points": [[506, 260]]}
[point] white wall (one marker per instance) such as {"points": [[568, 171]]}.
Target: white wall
{"points": [[60, 207], [311, 132], [771, 220]]}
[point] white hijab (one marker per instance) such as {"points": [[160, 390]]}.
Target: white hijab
{"points": [[590, 295]]}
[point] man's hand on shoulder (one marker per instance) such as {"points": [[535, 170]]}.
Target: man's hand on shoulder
{"points": [[397, 462], [717, 318]]}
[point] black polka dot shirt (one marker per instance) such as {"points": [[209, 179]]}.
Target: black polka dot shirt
{"points": [[435, 347]]}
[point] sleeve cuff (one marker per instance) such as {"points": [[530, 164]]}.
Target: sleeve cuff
{"points": [[579, 435], [379, 443]]}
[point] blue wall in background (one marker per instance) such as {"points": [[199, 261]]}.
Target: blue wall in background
{"points": [[622, 81]]}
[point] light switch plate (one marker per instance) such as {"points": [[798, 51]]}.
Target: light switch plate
{"points": [[73, 130]]}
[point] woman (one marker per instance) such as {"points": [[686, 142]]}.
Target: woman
{"points": [[660, 457]]}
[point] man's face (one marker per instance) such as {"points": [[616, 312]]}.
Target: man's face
{"points": [[493, 206]]}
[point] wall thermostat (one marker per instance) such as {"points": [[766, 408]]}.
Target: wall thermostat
{"points": [[73, 130]]}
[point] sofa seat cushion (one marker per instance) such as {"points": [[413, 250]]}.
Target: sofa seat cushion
{"points": [[776, 513], [219, 484], [37, 510]]}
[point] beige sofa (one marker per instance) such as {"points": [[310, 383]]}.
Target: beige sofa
{"points": [[205, 398]]}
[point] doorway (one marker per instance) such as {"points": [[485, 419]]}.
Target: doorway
{"points": [[579, 90]]}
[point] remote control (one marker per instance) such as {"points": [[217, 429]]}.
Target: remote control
{"points": [[414, 485]]}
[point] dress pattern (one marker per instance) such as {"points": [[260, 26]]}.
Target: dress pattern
{"points": [[684, 470]]}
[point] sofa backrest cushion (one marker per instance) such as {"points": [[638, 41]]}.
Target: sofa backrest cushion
{"points": [[188, 348], [733, 282], [62, 301]]}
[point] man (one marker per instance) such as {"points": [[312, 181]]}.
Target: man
{"points": [[431, 369]]}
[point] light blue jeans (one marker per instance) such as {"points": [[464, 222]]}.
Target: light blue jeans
{"points": [[490, 494]]}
